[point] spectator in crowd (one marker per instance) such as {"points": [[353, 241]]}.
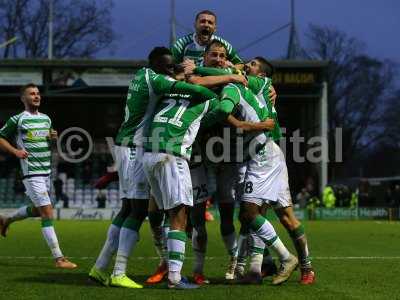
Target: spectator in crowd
{"points": [[389, 197], [310, 186], [396, 195], [19, 187], [364, 197], [58, 189], [87, 173], [328, 197], [302, 198], [101, 199], [343, 195]]}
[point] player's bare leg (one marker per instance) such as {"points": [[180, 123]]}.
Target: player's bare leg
{"points": [[176, 247], [49, 234], [110, 247], [199, 242], [243, 251], [18, 215], [128, 237], [268, 267], [264, 235], [296, 231], [156, 218], [227, 229]]}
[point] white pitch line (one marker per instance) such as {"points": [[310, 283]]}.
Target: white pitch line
{"points": [[212, 257]]}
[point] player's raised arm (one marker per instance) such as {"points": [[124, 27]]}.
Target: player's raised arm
{"points": [[201, 93], [209, 71], [215, 81]]}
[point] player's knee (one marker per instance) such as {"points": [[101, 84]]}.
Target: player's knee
{"points": [[46, 212], [246, 217]]}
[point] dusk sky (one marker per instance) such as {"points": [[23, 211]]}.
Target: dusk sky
{"points": [[141, 25]]}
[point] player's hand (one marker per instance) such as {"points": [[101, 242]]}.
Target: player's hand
{"points": [[188, 66], [21, 153], [228, 64], [53, 134], [272, 95], [239, 79], [268, 124], [239, 67]]}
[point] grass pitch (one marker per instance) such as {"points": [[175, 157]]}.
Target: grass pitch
{"points": [[352, 260]]}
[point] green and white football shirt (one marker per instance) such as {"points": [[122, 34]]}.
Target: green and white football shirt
{"points": [[145, 90], [31, 132], [261, 87], [187, 47], [177, 121], [258, 85], [247, 108]]}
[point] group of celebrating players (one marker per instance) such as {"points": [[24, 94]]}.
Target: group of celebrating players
{"points": [[190, 94]]}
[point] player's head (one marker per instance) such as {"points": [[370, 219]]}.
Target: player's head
{"points": [[30, 96], [161, 61], [259, 66], [205, 25], [215, 55]]}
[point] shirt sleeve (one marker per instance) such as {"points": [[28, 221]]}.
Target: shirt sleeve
{"points": [[160, 83], [198, 92], [208, 71], [177, 51], [233, 56], [9, 130], [217, 111], [255, 84], [231, 93]]}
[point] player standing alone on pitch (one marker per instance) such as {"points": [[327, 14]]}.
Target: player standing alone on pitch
{"points": [[32, 133]]}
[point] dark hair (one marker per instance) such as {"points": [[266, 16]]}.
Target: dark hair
{"points": [[214, 43], [206, 12], [179, 69], [266, 66], [27, 86], [156, 53]]}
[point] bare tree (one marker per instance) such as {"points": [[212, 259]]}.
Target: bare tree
{"points": [[358, 88], [81, 27]]}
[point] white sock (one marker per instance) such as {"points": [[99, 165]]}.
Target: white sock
{"points": [[50, 236], [264, 230], [164, 252], [176, 254], [20, 214], [230, 244], [279, 248], [109, 248], [243, 243], [127, 240], [256, 262]]}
